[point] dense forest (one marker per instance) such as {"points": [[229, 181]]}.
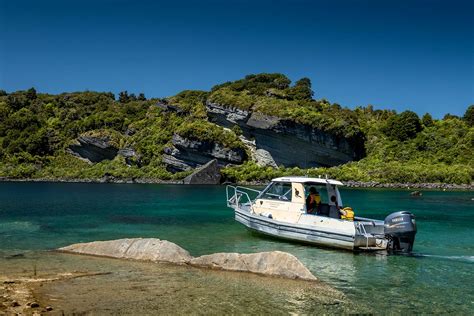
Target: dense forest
{"points": [[37, 131]]}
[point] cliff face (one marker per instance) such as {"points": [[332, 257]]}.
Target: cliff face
{"points": [[95, 149], [289, 143], [186, 154]]}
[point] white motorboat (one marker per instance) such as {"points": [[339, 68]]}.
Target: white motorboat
{"points": [[281, 210]]}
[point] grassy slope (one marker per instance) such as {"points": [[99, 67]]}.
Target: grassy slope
{"points": [[36, 129]]}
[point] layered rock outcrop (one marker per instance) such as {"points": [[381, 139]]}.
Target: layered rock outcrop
{"points": [[186, 154], [288, 143], [95, 149], [274, 263]]}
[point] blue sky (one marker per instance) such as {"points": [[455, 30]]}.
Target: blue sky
{"points": [[416, 55]]}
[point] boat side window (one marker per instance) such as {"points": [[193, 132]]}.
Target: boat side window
{"points": [[322, 191], [277, 191]]}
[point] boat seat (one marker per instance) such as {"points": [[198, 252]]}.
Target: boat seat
{"points": [[334, 212]]}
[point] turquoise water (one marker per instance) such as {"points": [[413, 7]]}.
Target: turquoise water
{"points": [[438, 278]]}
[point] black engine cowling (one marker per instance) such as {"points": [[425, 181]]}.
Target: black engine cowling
{"points": [[400, 230]]}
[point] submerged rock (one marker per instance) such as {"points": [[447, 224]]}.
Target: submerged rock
{"points": [[149, 249], [207, 174], [274, 263]]}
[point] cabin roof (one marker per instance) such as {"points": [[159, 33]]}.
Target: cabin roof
{"points": [[307, 180]]}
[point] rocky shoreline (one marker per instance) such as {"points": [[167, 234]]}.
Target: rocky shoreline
{"points": [[350, 184]]}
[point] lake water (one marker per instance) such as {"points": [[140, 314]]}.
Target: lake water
{"points": [[437, 278]]}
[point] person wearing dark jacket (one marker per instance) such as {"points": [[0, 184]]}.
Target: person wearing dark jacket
{"points": [[312, 201]]}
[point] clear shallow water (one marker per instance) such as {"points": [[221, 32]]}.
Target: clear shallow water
{"points": [[438, 278]]}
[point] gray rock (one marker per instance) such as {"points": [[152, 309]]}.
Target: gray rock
{"points": [[93, 149], [130, 155], [130, 132], [186, 154], [149, 249], [170, 108], [207, 174], [174, 164], [275, 263], [310, 146], [262, 121], [264, 158], [232, 114]]}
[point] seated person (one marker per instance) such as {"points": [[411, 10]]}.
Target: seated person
{"points": [[334, 201], [346, 212], [312, 201]]}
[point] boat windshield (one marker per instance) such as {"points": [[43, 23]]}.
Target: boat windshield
{"points": [[277, 191]]}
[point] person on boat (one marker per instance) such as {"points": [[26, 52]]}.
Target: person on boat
{"points": [[312, 201], [346, 213]]}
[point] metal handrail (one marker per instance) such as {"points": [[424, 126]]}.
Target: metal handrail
{"points": [[235, 200], [363, 231]]}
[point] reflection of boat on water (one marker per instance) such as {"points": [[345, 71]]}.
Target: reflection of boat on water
{"points": [[280, 210]]}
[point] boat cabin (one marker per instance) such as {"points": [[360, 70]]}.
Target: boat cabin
{"points": [[285, 198]]}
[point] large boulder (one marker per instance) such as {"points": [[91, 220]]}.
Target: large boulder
{"points": [[274, 263], [207, 174], [264, 158], [150, 249]]}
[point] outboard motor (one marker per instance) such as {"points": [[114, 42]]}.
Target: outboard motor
{"points": [[400, 230]]}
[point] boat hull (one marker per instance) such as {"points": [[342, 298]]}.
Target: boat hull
{"points": [[296, 232]]}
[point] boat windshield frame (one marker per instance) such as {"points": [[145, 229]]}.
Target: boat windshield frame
{"points": [[331, 188], [281, 197]]}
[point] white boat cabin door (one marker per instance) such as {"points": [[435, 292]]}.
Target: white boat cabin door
{"points": [[285, 201]]}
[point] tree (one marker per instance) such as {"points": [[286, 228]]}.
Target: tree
{"points": [[31, 94], [123, 97], [449, 116], [132, 97], [427, 120], [403, 126], [17, 100], [469, 116], [141, 97], [302, 90], [3, 93]]}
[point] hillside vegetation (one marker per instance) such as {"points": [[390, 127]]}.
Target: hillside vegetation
{"points": [[37, 129]]}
